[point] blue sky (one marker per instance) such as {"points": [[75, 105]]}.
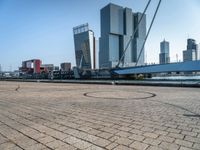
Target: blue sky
{"points": [[43, 28]]}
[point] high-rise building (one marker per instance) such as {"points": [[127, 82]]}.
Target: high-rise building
{"points": [[84, 43], [192, 53], [139, 39], [117, 27], [164, 52], [66, 66]]}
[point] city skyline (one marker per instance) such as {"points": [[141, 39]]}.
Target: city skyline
{"points": [[43, 29]]}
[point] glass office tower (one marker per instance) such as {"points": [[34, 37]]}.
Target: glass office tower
{"points": [[164, 52], [192, 53], [84, 43]]}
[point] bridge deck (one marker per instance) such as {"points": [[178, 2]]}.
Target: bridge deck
{"points": [[189, 66]]}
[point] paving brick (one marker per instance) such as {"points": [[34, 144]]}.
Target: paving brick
{"points": [[105, 135], [123, 141], [169, 146], [192, 139], [81, 135], [151, 141], [84, 128], [139, 145], [114, 138], [111, 146], [66, 147], [36, 147], [123, 134], [25, 142], [151, 135], [135, 126], [147, 129], [94, 132], [16, 148], [71, 140], [174, 126], [93, 147], [185, 148], [154, 148], [116, 126], [196, 146], [3, 139], [136, 137], [196, 130], [7, 145], [121, 147], [46, 139], [173, 130], [175, 135], [185, 128], [160, 127], [101, 142], [166, 138], [62, 128], [125, 124], [58, 135], [37, 136], [110, 130], [82, 145], [189, 133], [160, 132], [183, 143], [90, 138], [55, 144], [124, 128], [136, 131], [72, 132]]}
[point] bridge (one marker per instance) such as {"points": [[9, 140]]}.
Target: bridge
{"points": [[188, 66]]}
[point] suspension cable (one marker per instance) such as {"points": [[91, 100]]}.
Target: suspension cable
{"points": [[133, 34], [148, 31]]}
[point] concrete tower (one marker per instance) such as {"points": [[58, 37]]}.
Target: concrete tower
{"points": [[117, 27]]}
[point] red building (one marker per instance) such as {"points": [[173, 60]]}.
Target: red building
{"points": [[31, 66]]}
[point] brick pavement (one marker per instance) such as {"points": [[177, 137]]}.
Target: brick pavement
{"points": [[46, 116]]}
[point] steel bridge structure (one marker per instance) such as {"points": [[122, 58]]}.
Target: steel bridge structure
{"points": [[188, 66]]}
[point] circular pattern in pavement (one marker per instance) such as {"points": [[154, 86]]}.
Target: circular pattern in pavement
{"points": [[120, 95]]}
